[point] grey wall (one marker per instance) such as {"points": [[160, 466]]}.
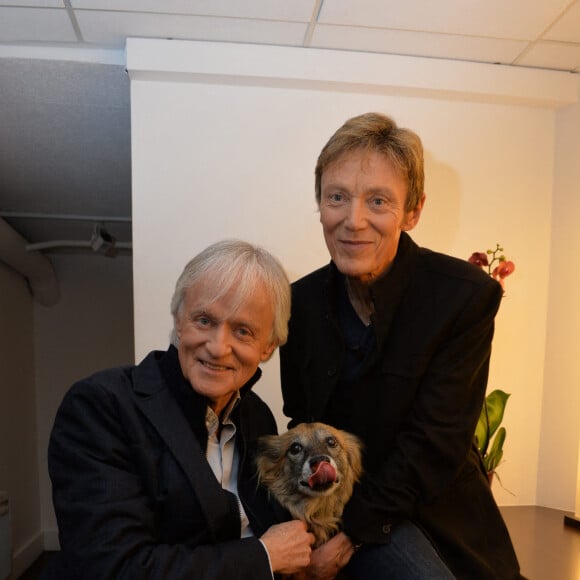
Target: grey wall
{"points": [[90, 329], [18, 451], [43, 350]]}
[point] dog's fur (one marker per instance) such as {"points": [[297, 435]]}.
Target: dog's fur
{"points": [[311, 470]]}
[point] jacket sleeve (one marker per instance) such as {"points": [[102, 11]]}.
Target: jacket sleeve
{"points": [[434, 437], [109, 503]]}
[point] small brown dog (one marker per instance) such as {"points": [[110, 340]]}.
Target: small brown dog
{"points": [[311, 470]]}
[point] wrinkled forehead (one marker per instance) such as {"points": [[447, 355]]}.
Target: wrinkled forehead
{"points": [[366, 156], [212, 288]]}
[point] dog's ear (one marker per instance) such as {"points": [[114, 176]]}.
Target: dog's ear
{"points": [[269, 446], [268, 452]]}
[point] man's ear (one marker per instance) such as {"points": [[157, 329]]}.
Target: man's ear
{"points": [[177, 324], [412, 217], [268, 352]]}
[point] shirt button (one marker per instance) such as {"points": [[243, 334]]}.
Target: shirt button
{"points": [[331, 371], [386, 528]]}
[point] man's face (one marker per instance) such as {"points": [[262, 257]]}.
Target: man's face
{"points": [[362, 212], [219, 348]]}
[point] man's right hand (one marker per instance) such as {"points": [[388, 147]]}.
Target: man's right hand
{"points": [[289, 546]]}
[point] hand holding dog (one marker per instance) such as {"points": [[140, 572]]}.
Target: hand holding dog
{"points": [[328, 559], [289, 546]]}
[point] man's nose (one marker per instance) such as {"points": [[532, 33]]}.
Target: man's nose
{"points": [[356, 214], [219, 343]]}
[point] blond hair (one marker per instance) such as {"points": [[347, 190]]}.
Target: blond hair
{"points": [[379, 133]]}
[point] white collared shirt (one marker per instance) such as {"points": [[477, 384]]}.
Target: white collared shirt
{"points": [[223, 457]]}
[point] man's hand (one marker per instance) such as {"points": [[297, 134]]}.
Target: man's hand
{"points": [[289, 546], [328, 559]]}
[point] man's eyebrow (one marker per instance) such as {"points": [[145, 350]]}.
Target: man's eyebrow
{"points": [[201, 311], [382, 190], [243, 322], [334, 183]]}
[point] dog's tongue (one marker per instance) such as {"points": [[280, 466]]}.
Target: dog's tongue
{"points": [[324, 473]]}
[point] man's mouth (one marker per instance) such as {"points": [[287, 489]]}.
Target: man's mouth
{"points": [[354, 243], [213, 367]]}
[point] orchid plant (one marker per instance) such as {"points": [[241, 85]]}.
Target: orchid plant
{"points": [[489, 436], [497, 266]]}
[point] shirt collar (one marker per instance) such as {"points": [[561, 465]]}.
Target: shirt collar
{"points": [[212, 421], [387, 290]]}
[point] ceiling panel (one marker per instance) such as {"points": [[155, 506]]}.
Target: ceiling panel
{"points": [[568, 27], [36, 3], [297, 10], [65, 145], [516, 19], [35, 25], [553, 55], [114, 27], [417, 43]]}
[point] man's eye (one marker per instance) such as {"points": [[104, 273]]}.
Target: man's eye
{"points": [[378, 201], [336, 197], [295, 449]]}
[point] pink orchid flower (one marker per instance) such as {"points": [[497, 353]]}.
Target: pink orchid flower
{"points": [[502, 269], [479, 259]]}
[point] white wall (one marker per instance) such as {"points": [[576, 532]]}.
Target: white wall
{"points": [[561, 398], [226, 147]]}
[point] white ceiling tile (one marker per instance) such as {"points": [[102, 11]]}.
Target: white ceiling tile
{"points": [[294, 10], [417, 43], [554, 55], [567, 28], [35, 25], [33, 3], [516, 19], [114, 27]]}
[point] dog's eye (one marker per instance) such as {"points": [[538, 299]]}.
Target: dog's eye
{"points": [[295, 449], [331, 442]]}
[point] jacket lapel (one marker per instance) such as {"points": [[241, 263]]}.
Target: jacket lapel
{"points": [[389, 290], [153, 397]]}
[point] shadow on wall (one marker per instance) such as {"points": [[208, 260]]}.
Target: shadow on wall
{"points": [[437, 229]]}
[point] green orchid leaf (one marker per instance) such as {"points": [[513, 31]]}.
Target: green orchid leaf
{"points": [[494, 456], [482, 433], [495, 404], [490, 419]]}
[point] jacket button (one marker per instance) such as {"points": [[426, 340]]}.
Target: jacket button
{"points": [[386, 528], [331, 371]]}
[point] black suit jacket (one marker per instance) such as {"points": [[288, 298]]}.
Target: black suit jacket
{"points": [[133, 493], [416, 407]]}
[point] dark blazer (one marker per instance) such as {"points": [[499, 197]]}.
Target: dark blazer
{"points": [[134, 495], [417, 405]]}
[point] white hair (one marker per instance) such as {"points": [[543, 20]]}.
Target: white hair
{"points": [[230, 263]]}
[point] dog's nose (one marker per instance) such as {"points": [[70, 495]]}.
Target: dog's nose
{"points": [[323, 473], [314, 461]]}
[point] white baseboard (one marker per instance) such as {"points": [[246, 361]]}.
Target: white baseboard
{"points": [[51, 542], [26, 555]]}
